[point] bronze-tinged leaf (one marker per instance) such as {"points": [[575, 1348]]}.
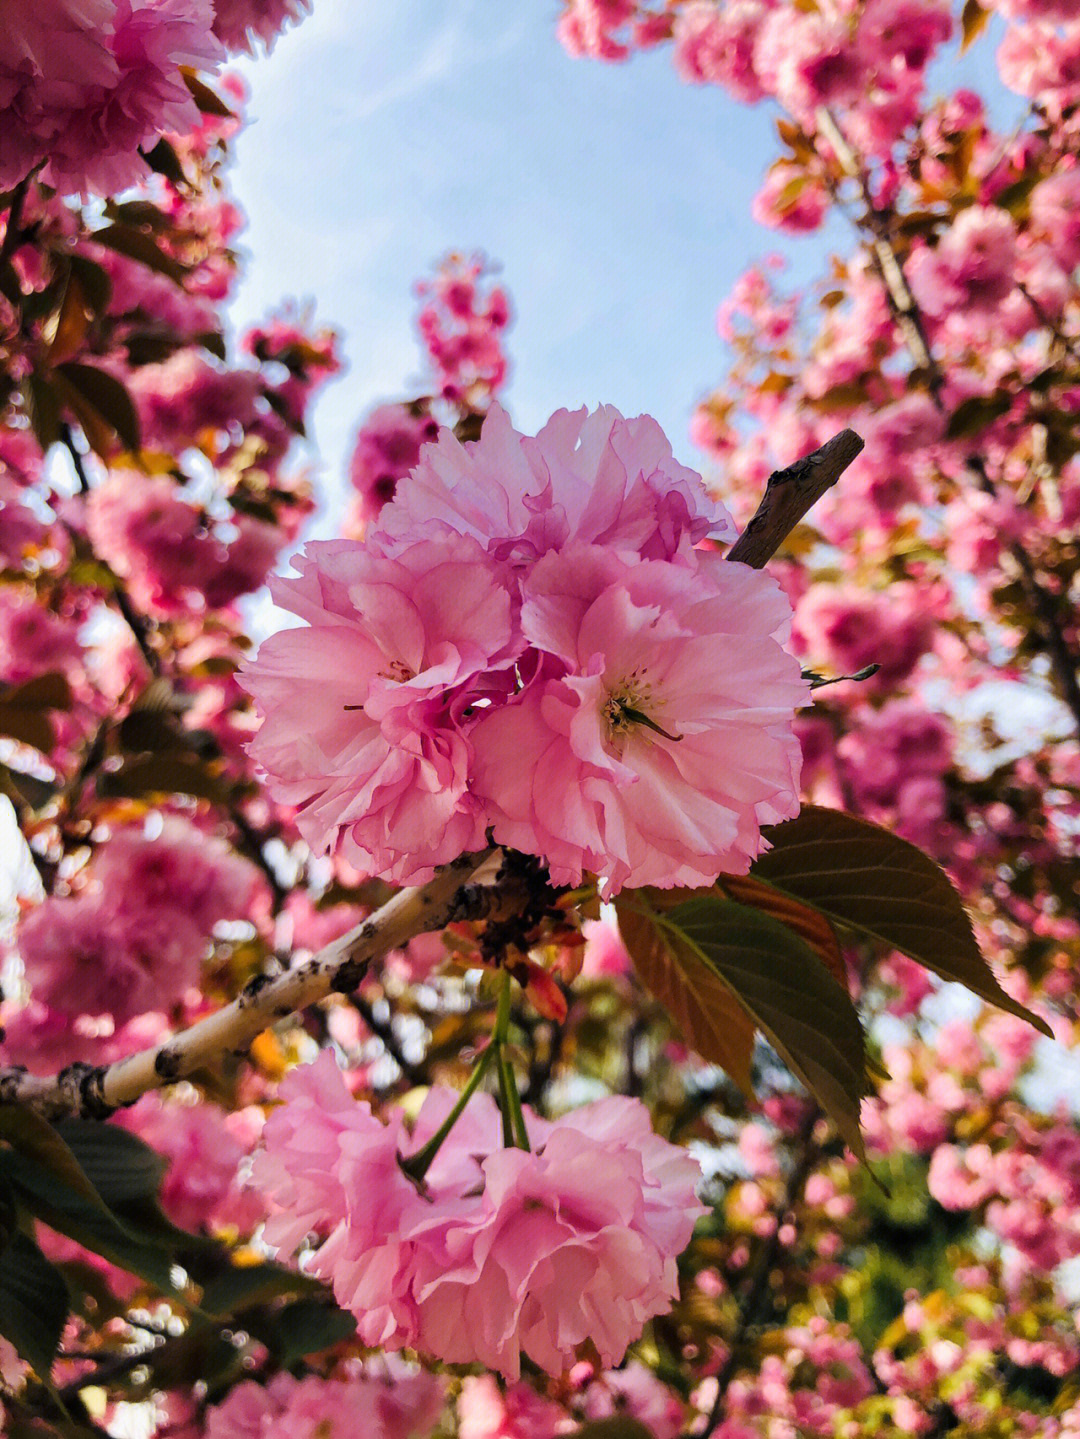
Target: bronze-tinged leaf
{"points": [[72, 322], [707, 1015], [98, 398], [616, 1426], [973, 21], [42, 409], [139, 245], [786, 989], [809, 923], [870, 881], [208, 101], [24, 710]]}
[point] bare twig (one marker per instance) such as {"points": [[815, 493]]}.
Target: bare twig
{"points": [[789, 494], [94, 1092], [754, 1297]]}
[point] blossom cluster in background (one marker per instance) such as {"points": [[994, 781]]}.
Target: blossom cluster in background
{"points": [[86, 84], [529, 640]]}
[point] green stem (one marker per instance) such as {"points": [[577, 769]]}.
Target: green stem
{"points": [[418, 1164], [514, 1132]]}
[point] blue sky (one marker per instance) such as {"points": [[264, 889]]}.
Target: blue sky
{"points": [[616, 199]]}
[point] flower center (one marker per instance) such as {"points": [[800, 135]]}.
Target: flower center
{"points": [[628, 704]]}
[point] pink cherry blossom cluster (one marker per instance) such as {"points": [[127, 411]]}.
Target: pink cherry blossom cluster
{"points": [[133, 936], [461, 324], [380, 1399], [496, 1252], [530, 642], [85, 85], [387, 449]]}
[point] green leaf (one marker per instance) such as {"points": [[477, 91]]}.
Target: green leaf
{"points": [[881, 887], [976, 414], [161, 774], [26, 790], [96, 396], [96, 1228], [43, 1144], [706, 1014], [791, 996], [34, 1303], [308, 1327], [242, 1286], [119, 1164], [95, 282], [43, 409], [208, 101], [163, 160]]}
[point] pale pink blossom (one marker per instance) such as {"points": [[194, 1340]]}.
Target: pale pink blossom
{"points": [[596, 477], [972, 267], [363, 729], [381, 1399], [661, 726], [502, 1251], [486, 1411]]}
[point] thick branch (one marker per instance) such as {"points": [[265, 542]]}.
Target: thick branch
{"points": [[94, 1092], [789, 494]]}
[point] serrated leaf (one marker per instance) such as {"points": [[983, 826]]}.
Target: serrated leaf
{"points": [[34, 1303], [42, 1143], [809, 924], [791, 996], [706, 1014], [91, 1225], [880, 886], [97, 398], [119, 1165]]}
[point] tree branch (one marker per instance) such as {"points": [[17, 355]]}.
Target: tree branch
{"points": [[788, 495], [94, 1092], [753, 1299], [912, 326]]}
